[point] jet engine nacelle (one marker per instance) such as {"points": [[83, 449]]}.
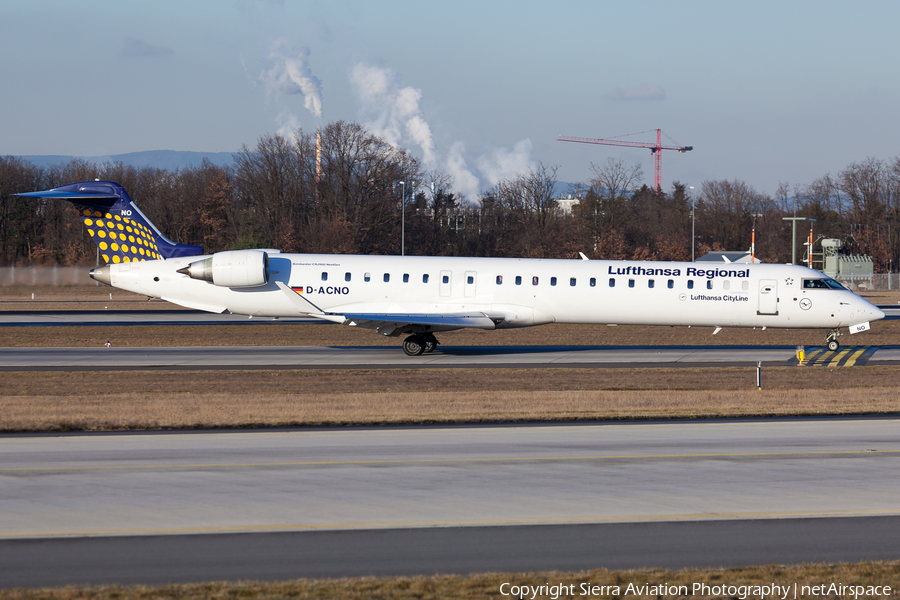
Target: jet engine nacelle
{"points": [[234, 269]]}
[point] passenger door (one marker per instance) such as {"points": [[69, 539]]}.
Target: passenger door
{"points": [[768, 297], [471, 278]]}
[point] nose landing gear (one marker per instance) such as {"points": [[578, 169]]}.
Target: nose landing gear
{"points": [[831, 340]]}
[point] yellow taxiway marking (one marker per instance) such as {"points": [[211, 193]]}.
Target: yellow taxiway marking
{"points": [[846, 357], [709, 516], [447, 460]]}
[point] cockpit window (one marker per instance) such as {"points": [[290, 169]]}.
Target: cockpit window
{"points": [[825, 284]]}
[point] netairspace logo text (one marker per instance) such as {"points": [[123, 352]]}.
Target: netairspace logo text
{"points": [[742, 592]]}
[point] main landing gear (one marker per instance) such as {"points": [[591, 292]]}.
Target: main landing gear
{"points": [[831, 340], [419, 343]]}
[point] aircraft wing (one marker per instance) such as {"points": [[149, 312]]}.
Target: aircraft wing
{"points": [[386, 323]]}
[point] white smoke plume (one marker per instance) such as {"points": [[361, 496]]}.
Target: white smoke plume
{"points": [[503, 164], [493, 167], [464, 181], [289, 123], [290, 75], [392, 110]]}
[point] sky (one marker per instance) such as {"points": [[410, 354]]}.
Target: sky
{"points": [[766, 92]]}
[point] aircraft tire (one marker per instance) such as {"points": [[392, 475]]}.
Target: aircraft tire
{"points": [[833, 345], [414, 345]]}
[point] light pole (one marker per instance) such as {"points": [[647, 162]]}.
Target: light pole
{"points": [[753, 238], [794, 235], [693, 239], [402, 218]]}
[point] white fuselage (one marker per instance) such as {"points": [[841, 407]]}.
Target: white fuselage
{"points": [[524, 291]]}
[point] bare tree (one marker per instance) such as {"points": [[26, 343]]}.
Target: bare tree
{"points": [[615, 179], [864, 183], [726, 211]]}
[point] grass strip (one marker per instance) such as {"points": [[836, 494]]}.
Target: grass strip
{"points": [[811, 581], [147, 400]]}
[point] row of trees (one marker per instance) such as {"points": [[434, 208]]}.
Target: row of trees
{"points": [[276, 195]]}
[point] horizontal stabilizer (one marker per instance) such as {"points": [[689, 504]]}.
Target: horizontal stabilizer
{"points": [[90, 199]]}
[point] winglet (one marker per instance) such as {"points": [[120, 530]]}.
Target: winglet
{"points": [[304, 304]]}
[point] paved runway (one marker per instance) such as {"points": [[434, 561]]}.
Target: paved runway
{"points": [[176, 316], [12, 359], [327, 357], [367, 500], [283, 556]]}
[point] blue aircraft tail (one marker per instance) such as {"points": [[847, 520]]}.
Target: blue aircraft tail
{"points": [[121, 231]]}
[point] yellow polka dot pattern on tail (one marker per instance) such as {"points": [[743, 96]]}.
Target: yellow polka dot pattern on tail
{"points": [[120, 239]]}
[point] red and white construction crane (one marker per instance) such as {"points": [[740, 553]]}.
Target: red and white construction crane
{"points": [[654, 148]]}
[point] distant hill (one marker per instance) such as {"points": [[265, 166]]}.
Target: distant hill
{"points": [[563, 189], [176, 159], [160, 159]]}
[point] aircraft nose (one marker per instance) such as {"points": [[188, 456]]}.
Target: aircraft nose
{"points": [[877, 314]]}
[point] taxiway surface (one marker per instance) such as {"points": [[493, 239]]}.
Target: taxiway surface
{"points": [[328, 357], [436, 499]]}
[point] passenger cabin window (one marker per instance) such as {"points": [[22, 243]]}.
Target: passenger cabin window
{"points": [[670, 284], [745, 285], [631, 283], [534, 281], [518, 280], [346, 276], [612, 282], [572, 281], [387, 277], [445, 279], [690, 284], [324, 276], [367, 277], [593, 282], [499, 279], [425, 278], [406, 278], [726, 285], [651, 283], [709, 284], [553, 281], [470, 280]]}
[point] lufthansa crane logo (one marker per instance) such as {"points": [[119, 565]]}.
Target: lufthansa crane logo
{"points": [[805, 303]]}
